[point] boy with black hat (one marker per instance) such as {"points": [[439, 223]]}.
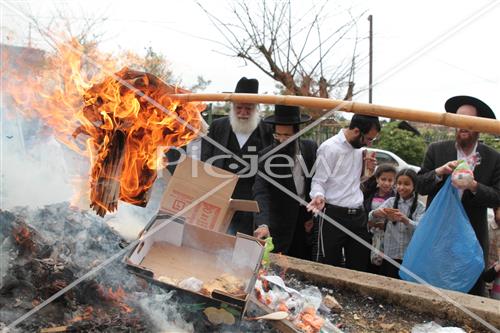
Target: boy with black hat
{"points": [[481, 192], [281, 215], [244, 135]]}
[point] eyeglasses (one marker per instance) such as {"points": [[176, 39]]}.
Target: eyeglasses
{"points": [[363, 138], [281, 135]]}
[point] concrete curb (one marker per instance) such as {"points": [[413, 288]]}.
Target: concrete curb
{"points": [[410, 295]]}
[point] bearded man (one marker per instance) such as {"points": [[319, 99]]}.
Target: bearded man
{"points": [[336, 189], [441, 159], [243, 135], [290, 166]]}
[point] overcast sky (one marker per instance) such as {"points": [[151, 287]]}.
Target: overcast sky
{"points": [[424, 51]]}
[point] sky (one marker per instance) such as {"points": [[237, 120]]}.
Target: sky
{"points": [[424, 52]]}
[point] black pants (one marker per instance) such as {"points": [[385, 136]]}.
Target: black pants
{"points": [[241, 222], [300, 246], [481, 230], [332, 240], [390, 270]]}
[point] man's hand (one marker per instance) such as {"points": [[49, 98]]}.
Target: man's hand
{"points": [[308, 226], [316, 205], [261, 232], [472, 185], [446, 169]]}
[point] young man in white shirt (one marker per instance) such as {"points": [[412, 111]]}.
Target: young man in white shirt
{"points": [[336, 190]]}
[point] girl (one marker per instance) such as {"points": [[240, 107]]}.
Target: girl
{"points": [[402, 214], [376, 190]]}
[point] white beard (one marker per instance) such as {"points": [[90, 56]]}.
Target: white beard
{"points": [[244, 126]]}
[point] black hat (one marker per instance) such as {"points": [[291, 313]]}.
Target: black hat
{"points": [[249, 86], [287, 115], [483, 110]]}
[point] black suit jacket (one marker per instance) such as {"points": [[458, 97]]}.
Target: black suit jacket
{"points": [[277, 209], [220, 130], [487, 174]]}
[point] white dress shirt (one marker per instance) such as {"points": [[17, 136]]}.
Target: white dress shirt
{"points": [[471, 159], [338, 173], [298, 176], [242, 138]]}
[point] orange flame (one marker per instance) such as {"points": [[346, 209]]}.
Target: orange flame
{"points": [[117, 298], [21, 235], [87, 314], [117, 120]]}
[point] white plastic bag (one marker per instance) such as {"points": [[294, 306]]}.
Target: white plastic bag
{"points": [[432, 327], [192, 284]]}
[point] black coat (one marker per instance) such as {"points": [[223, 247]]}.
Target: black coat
{"points": [[487, 174], [279, 210], [220, 129]]}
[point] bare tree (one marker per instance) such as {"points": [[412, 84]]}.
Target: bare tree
{"points": [[62, 25], [296, 51], [156, 63], [86, 33]]}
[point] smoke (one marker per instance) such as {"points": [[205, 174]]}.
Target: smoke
{"points": [[36, 170], [36, 175], [129, 220], [162, 312]]}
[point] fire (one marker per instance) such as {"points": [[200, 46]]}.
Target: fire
{"points": [[21, 234], [22, 237], [116, 297], [117, 120], [87, 314]]}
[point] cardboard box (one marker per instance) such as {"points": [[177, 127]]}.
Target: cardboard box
{"points": [[192, 180], [176, 250]]}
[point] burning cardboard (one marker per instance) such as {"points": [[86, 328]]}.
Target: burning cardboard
{"points": [[118, 119]]}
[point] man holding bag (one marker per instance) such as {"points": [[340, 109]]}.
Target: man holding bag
{"points": [[482, 188]]}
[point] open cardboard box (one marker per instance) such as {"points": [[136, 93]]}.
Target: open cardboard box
{"points": [[192, 180], [176, 250]]}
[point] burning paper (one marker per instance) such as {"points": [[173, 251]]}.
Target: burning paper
{"points": [[119, 121]]}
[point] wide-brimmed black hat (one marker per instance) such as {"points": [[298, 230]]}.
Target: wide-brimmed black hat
{"points": [[248, 86], [483, 110], [287, 115]]}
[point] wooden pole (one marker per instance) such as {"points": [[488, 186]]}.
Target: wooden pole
{"points": [[477, 124]]}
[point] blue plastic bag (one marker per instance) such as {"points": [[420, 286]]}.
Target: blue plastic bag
{"points": [[444, 250]]}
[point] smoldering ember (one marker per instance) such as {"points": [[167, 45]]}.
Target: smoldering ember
{"points": [[68, 267]]}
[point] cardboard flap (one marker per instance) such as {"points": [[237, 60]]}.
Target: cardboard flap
{"points": [[244, 205], [196, 238], [201, 192], [205, 176]]}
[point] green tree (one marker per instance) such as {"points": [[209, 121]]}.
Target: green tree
{"points": [[491, 140], [405, 144], [156, 64]]}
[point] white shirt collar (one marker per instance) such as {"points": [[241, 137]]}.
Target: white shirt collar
{"points": [[461, 153]]}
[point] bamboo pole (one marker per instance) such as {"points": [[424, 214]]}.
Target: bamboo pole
{"points": [[476, 124]]}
